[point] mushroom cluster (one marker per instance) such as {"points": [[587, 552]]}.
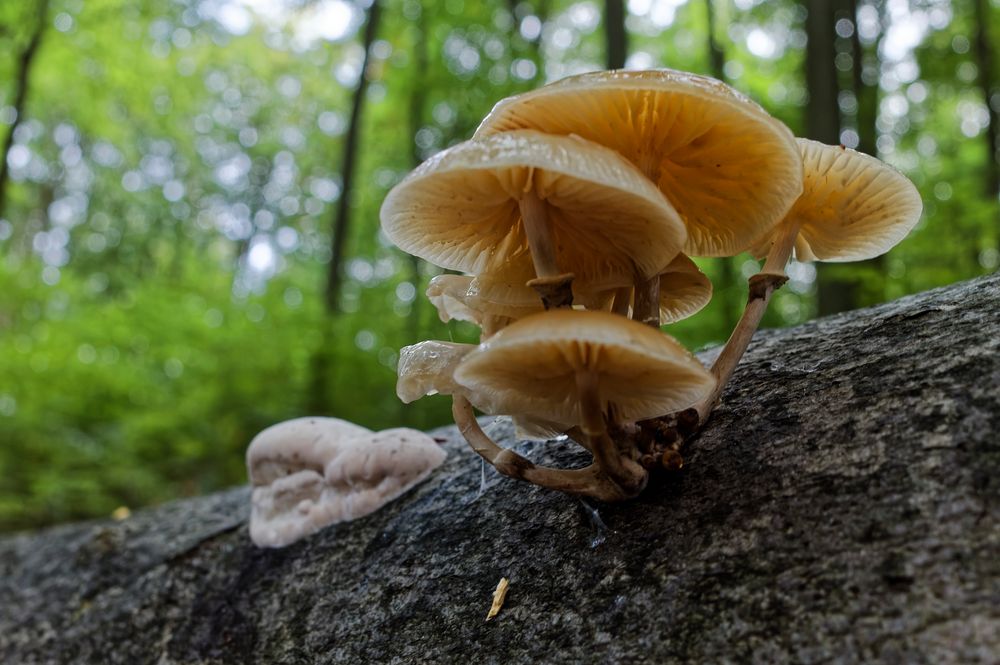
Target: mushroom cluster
{"points": [[572, 213]]}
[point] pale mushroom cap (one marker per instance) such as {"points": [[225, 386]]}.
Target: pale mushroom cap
{"points": [[426, 368], [730, 169], [294, 445], [468, 298], [529, 367], [460, 209], [684, 290], [361, 475], [449, 295], [853, 207]]}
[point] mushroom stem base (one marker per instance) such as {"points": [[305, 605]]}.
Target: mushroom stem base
{"points": [[589, 481], [763, 284]]}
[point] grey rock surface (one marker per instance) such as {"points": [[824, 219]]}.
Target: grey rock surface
{"points": [[843, 505]]}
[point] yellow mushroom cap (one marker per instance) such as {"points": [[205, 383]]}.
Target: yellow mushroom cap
{"points": [[730, 169], [853, 206], [460, 209], [684, 290], [529, 368]]}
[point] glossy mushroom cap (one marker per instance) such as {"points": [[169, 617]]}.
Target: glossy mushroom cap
{"points": [[730, 169], [311, 472], [853, 206], [426, 368], [468, 298], [684, 290], [460, 209], [530, 367]]}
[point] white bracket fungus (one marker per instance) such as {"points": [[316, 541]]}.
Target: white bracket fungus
{"points": [[309, 473]]}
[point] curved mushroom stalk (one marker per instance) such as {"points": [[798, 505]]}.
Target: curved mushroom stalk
{"points": [[762, 285], [852, 207], [588, 481], [555, 288]]}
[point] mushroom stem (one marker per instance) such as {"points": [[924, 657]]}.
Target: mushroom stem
{"points": [[620, 469], [535, 219], [781, 248], [588, 481], [554, 287], [623, 300], [762, 285], [647, 301], [465, 418]]}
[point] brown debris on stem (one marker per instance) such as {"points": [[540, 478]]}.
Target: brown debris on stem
{"points": [[555, 291]]}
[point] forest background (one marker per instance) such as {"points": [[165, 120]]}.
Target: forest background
{"points": [[189, 194]]}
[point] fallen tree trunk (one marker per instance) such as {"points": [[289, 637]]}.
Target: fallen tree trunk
{"points": [[842, 505]]}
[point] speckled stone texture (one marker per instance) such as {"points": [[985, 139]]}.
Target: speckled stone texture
{"points": [[841, 507]]}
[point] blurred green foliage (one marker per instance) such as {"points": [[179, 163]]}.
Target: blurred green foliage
{"points": [[172, 180]]}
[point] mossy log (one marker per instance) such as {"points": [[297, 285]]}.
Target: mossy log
{"points": [[842, 505]]}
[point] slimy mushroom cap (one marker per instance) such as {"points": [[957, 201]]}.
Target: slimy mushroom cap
{"points": [[853, 206], [730, 169], [530, 367], [471, 298], [684, 290], [426, 368], [460, 209]]}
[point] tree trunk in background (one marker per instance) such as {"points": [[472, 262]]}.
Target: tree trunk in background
{"points": [[21, 81], [615, 34], [985, 61], [731, 292], [867, 279], [342, 214], [842, 506], [321, 365], [822, 111], [865, 89], [833, 293]]}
